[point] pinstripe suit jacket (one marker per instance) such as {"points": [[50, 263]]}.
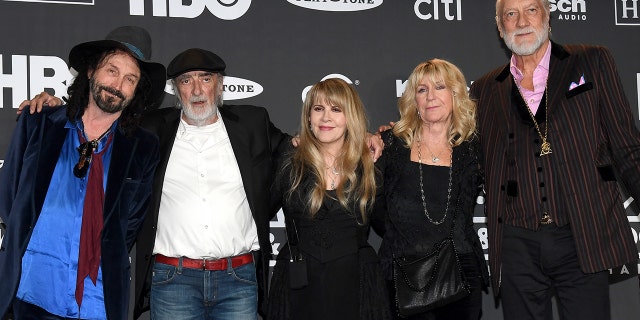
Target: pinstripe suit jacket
{"points": [[594, 140]]}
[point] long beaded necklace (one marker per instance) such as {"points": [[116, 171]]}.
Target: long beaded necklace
{"points": [[545, 148], [424, 203]]}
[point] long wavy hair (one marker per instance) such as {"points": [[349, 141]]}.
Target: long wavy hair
{"points": [[79, 92], [463, 123], [354, 161]]}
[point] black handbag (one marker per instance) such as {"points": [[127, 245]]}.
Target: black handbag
{"points": [[298, 277], [426, 282]]}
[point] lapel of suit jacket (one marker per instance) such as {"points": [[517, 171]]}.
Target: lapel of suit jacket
{"points": [[559, 78], [166, 136], [52, 137], [239, 139], [123, 152], [501, 101]]}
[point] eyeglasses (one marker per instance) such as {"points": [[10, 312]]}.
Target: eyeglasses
{"points": [[86, 150]]}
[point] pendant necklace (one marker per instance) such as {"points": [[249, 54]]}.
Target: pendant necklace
{"points": [[335, 173], [545, 148], [434, 158], [424, 203]]}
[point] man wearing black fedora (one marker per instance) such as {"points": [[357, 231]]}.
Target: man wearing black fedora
{"points": [[136, 38], [74, 189]]}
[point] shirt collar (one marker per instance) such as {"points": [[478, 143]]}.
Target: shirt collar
{"points": [[542, 65]]}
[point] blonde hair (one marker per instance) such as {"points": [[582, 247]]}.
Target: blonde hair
{"points": [[354, 161], [463, 123]]}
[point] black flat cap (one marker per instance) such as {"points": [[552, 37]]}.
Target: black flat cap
{"points": [[195, 59]]}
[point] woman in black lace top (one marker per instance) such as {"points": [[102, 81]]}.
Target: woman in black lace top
{"points": [[326, 188], [431, 180]]}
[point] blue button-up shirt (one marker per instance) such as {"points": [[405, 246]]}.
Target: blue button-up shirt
{"points": [[50, 264]]}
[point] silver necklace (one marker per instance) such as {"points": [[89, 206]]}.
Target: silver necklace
{"points": [[333, 180], [434, 158], [424, 203]]}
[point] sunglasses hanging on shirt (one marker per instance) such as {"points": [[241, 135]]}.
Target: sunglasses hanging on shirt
{"points": [[85, 150]]}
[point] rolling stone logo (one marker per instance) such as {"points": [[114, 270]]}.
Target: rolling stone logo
{"points": [[337, 5]]}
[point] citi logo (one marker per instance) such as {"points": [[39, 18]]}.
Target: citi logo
{"points": [[329, 76], [232, 89], [337, 5], [569, 9], [627, 12], [223, 9], [438, 9], [83, 2]]}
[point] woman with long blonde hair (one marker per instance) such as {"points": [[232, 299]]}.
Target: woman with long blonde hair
{"points": [[327, 187], [431, 180]]}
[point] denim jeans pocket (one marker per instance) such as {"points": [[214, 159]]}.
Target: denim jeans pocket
{"points": [[162, 273], [246, 273]]}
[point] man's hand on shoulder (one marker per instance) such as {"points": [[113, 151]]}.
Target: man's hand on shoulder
{"points": [[376, 145], [383, 128], [40, 100]]}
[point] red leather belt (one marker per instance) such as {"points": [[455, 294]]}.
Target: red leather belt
{"points": [[204, 264]]}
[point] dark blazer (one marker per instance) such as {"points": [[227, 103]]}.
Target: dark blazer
{"points": [[255, 142], [593, 138], [32, 156]]}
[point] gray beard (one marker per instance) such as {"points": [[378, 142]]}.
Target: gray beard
{"points": [[200, 119], [527, 49]]}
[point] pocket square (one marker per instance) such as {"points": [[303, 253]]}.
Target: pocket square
{"points": [[574, 85]]}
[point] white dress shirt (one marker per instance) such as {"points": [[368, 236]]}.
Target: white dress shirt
{"points": [[204, 211]]}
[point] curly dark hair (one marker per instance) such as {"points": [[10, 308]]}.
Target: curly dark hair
{"points": [[78, 93]]}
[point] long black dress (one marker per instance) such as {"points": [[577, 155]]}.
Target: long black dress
{"points": [[400, 218], [344, 276]]}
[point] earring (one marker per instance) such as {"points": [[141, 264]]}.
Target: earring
{"points": [[418, 113]]}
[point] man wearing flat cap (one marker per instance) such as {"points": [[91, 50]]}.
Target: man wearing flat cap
{"points": [[204, 248], [75, 187]]}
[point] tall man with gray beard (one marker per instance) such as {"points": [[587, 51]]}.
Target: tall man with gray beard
{"points": [[558, 136]]}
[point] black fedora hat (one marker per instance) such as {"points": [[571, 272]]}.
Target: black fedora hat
{"points": [[133, 40]]}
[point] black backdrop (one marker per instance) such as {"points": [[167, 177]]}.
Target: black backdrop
{"points": [[274, 49]]}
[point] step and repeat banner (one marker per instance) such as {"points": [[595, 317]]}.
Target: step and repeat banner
{"points": [[276, 49]]}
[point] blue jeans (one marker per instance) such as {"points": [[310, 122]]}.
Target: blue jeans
{"points": [[183, 293]]}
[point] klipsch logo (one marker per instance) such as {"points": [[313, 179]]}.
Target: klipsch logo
{"points": [[233, 88], [628, 12], [223, 9], [438, 9], [570, 10], [84, 2], [337, 5]]}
